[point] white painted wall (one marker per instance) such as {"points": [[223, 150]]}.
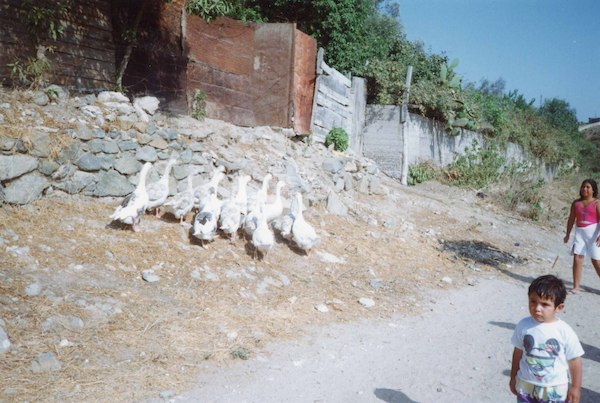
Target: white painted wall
{"points": [[427, 141]]}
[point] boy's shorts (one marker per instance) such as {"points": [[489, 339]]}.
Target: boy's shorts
{"points": [[529, 393]]}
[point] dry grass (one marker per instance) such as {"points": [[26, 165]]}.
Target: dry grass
{"points": [[18, 121], [210, 304]]}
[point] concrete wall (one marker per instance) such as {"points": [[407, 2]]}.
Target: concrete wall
{"points": [[427, 142]]}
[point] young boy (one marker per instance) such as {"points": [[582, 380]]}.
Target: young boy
{"points": [[546, 349]]}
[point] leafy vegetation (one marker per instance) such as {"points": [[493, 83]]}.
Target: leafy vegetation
{"points": [[419, 173], [338, 137], [476, 167], [366, 38], [45, 25], [199, 105]]}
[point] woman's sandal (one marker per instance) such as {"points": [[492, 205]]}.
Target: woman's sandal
{"points": [[573, 292]]}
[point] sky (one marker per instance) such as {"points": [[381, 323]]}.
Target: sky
{"points": [[544, 49]]}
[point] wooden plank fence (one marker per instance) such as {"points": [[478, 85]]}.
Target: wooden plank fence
{"points": [[339, 102], [83, 59]]}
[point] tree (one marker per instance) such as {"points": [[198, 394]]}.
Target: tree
{"points": [[560, 115]]}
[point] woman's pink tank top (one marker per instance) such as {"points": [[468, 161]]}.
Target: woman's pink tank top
{"points": [[586, 215]]}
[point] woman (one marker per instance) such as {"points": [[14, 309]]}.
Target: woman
{"points": [[585, 211]]}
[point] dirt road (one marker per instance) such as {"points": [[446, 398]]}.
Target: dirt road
{"points": [[458, 350]]}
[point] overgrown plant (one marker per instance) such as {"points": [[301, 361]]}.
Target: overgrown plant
{"points": [[338, 137], [34, 70], [208, 9], [199, 105], [45, 24], [476, 167], [419, 173]]}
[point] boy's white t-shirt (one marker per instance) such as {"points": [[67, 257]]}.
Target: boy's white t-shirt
{"points": [[547, 348]]}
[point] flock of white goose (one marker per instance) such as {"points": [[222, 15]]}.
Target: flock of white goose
{"points": [[254, 217]]}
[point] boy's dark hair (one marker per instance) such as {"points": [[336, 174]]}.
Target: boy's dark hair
{"points": [[550, 287], [593, 184]]}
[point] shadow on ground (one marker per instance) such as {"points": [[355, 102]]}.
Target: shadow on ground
{"points": [[392, 396]]}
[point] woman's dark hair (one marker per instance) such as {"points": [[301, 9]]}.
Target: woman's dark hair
{"points": [[593, 184], [550, 287]]}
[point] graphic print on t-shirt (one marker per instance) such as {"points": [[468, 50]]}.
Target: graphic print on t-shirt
{"points": [[540, 357]]}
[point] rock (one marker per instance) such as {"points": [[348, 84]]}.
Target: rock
{"points": [[111, 183], [335, 205], [148, 104], [40, 98], [13, 166], [128, 165], [40, 144], [111, 96], [33, 289], [326, 257], [56, 92], [26, 189], [48, 167], [5, 343], [146, 154], [76, 183], [149, 276], [89, 162], [322, 308], [447, 280], [7, 143], [45, 362], [332, 165], [366, 302]]}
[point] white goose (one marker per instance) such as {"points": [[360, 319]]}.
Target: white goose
{"points": [[303, 234], [283, 224], [183, 202], [159, 191], [134, 205], [259, 199], [275, 209], [202, 192], [206, 221], [231, 210], [262, 237]]}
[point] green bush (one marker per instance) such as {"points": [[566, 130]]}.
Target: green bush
{"points": [[477, 167], [338, 137], [420, 173], [199, 105]]}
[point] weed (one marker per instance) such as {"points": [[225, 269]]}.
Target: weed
{"points": [[199, 105], [242, 353], [476, 167], [419, 173], [338, 137]]}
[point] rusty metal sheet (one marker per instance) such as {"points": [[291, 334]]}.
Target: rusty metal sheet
{"points": [[227, 95], [305, 56], [225, 44], [272, 74]]}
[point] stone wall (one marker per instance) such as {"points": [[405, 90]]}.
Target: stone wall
{"points": [[90, 145], [95, 145]]}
